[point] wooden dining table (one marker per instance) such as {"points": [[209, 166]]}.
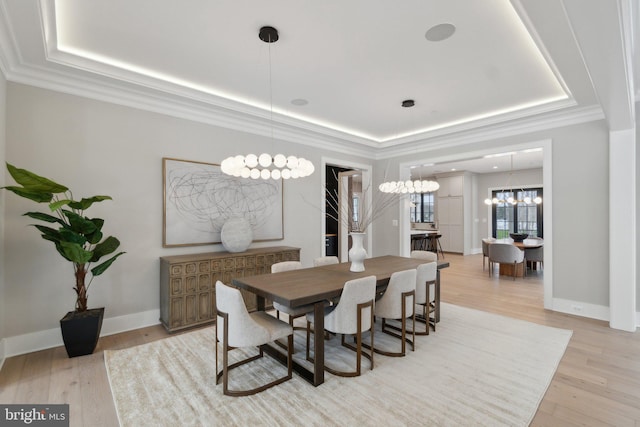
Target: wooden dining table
{"points": [[508, 269], [317, 285]]}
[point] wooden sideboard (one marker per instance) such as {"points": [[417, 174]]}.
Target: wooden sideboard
{"points": [[187, 282]]}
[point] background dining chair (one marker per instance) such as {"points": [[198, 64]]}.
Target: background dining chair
{"points": [[535, 255], [434, 243], [398, 303], [237, 328], [325, 260], [418, 242], [505, 253], [485, 248], [353, 315], [292, 312], [425, 255]]}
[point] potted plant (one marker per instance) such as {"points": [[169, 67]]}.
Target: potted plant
{"points": [[79, 240]]}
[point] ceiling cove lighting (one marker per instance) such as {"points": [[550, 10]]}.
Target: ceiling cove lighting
{"points": [[265, 165], [409, 186], [527, 200]]}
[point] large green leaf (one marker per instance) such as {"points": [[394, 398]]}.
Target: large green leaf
{"points": [[75, 252], [109, 245], [96, 236], [48, 233], [59, 249], [59, 204], [80, 224], [36, 183], [44, 217], [99, 269], [98, 222], [86, 203], [36, 196], [68, 235]]}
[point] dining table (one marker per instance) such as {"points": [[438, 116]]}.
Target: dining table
{"points": [[508, 269], [317, 286]]}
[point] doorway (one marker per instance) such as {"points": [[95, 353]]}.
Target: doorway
{"points": [[405, 173], [346, 192]]}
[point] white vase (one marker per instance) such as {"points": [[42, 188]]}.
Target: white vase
{"points": [[236, 234], [357, 253]]}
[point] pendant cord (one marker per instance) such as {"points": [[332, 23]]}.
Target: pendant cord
{"points": [[270, 90]]}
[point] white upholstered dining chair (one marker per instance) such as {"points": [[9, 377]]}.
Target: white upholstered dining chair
{"points": [[534, 254], [325, 260], [485, 248], [353, 315], [426, 295], [428, 256], [296, 312], [398, 303], [505, 253], [237, 328], [292, 312]]}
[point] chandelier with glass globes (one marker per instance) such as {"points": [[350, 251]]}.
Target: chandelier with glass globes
{"points": [[409, 186], [265, 166]]}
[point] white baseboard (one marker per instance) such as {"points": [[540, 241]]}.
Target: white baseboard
{"points": [[128, 322], [49, 338], [579, 308]]}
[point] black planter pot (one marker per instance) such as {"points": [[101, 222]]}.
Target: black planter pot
{"points": [[81, 330]]}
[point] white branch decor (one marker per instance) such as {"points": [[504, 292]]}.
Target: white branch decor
{"points": [[344, 213]]}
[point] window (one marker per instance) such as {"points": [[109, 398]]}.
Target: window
{"points": [[520, 218], [422, 207], [356, 209]]}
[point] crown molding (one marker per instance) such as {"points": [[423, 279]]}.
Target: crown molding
{"points": [[497, 131], [259, 122]]}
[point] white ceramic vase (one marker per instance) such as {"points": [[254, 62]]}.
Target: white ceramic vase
{"points": [[357, 253], [236, 234]]}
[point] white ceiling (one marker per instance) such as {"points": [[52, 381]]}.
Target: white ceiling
{"points": [[353, 62], [504, 161]]}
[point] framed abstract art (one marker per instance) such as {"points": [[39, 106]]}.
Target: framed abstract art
{"points": [[199, 199]]}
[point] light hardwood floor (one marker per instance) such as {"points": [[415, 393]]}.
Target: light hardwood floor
{"points": [[597, 382]]}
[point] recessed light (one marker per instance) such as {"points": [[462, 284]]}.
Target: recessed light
{"points": [[453, 169], [440, 32], [299, 102], [407, 103], [495, 167]]}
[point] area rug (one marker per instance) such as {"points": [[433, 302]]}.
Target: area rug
{"points": [[478, 369]]}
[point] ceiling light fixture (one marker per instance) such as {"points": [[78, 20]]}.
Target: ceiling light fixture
{"points": [[507, 196], [266, 166], [409, 186]]}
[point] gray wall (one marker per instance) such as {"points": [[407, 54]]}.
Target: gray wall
{"points": [[637, 205], [580, 206], [100, 148], [3, 103]]}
